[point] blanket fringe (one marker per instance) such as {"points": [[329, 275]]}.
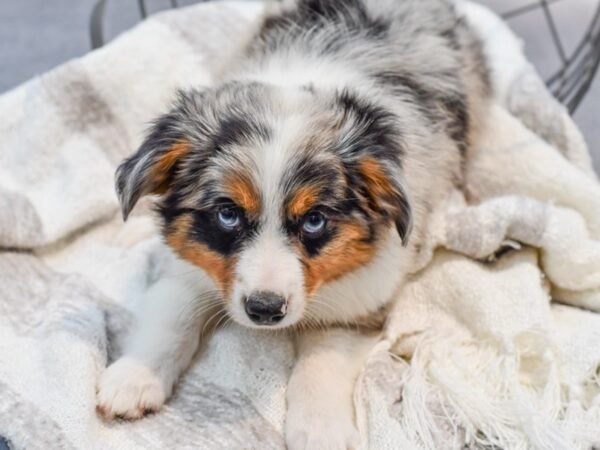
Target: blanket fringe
{"points": [[489, 394]]}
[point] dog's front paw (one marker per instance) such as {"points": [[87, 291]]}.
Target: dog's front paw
{"points": [[320, 429], [129, 389]]}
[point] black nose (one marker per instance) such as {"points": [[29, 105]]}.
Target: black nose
{"points": [[265, 308]]}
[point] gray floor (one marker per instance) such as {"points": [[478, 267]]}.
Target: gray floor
{"points": [[36, 35]]}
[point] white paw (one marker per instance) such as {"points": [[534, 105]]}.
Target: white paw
{"points": [[316, 429], [129, 389]]}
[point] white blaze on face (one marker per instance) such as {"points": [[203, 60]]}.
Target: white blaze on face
{"points": [[269, 265]]}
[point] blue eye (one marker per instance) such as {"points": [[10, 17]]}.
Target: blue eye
{"points": [[314, 224], [229, 218]]}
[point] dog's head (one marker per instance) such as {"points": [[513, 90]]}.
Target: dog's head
{"points": [[272, 191]]}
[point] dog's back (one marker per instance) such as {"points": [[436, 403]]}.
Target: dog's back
{"points": [[417, 57], [418, 49]]}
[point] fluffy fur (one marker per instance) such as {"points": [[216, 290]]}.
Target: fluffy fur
{"points": [[291, 190]]}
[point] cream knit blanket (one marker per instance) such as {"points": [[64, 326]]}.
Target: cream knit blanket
{"points": [[493, 343]]}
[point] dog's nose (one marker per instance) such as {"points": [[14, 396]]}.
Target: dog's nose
{"points": [[265, 308]]}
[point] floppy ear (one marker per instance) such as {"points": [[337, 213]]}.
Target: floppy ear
{"points": [[404, 220], [387, 193], [151, 168]]}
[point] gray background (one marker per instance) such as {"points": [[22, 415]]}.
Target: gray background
{"points": [[36, 35]]}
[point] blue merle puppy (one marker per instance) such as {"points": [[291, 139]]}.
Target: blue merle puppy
{"points": [[296, 193]]}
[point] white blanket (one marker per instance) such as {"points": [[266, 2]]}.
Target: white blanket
{"points": [[475, 353]]}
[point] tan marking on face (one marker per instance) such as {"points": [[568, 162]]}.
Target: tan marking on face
{"points": [[302, 201], [160, 171], [346, 252], [378, 183], [217, 266], [243, 193]]}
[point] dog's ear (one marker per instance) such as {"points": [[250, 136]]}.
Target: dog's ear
{"points": [[386, 192], [150, 169], [372, 148]]}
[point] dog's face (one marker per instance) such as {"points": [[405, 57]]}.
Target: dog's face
{"points": [[272, 191]]}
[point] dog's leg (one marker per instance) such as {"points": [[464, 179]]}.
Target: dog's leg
{"points": [[320, 391], [157, 351]]}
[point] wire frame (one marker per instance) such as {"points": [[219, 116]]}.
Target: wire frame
{"points": [[572, 80], [569, 83]]}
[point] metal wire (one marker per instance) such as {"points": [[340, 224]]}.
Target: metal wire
{"points": [[554, 31], [525, 9], [96, 19], [142, 8], [572, 81]]}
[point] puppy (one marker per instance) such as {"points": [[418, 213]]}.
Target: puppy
{"points": [[289, 192]]}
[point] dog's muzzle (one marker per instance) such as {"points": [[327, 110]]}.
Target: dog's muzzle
{"points": [[265, 308]]}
